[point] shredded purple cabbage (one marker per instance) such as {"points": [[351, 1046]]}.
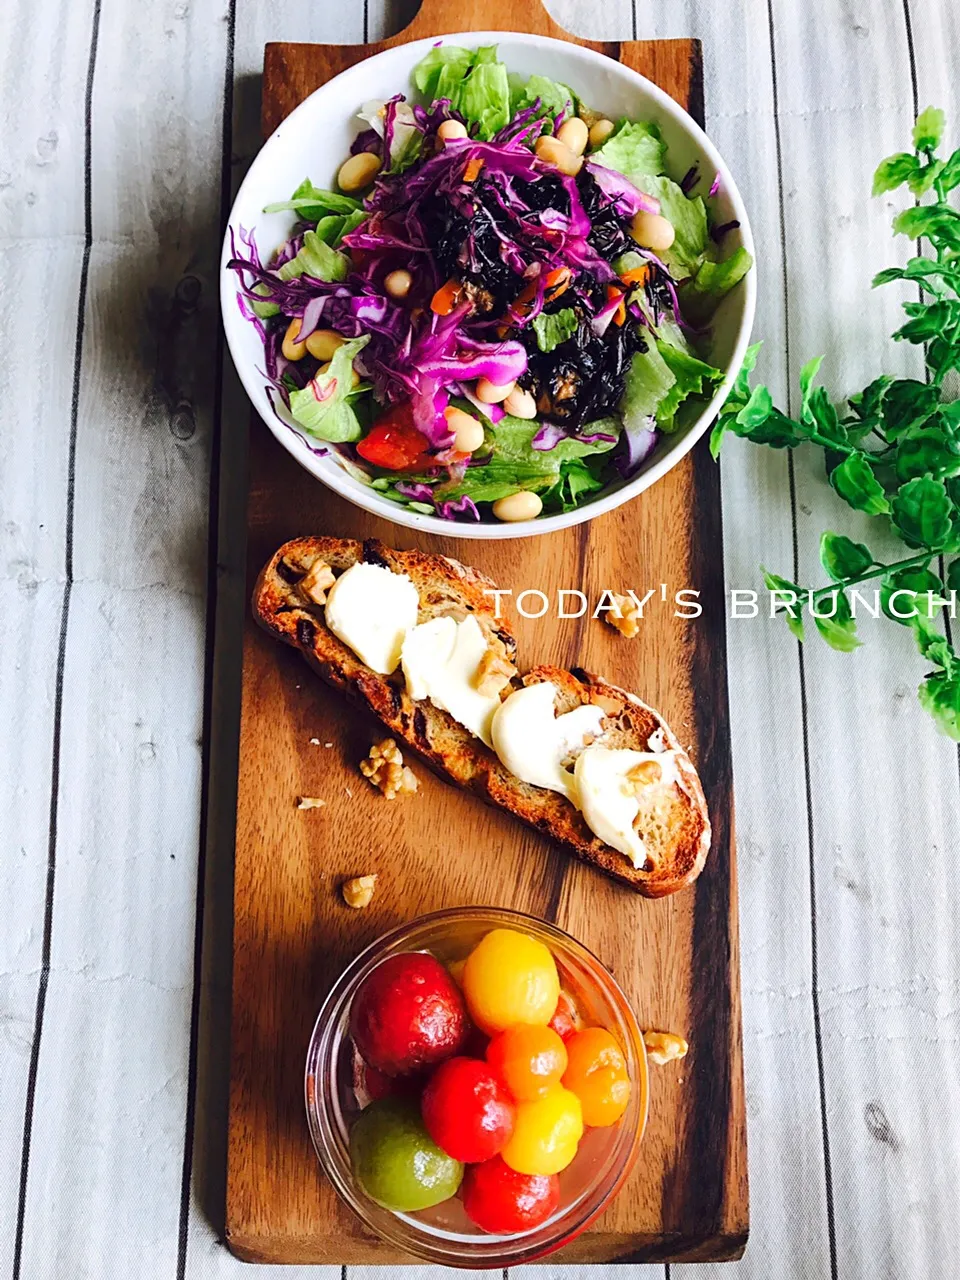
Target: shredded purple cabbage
{"points": [[715, 184], [621, 191], [550, 435], [368, 140], [463, 506]]}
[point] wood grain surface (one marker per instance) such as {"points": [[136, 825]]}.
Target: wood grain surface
{"points": [[676, 958]]}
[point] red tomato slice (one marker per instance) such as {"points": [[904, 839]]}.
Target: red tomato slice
{"points": [[394, 443]]}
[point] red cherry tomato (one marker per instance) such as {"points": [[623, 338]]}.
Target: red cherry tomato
{"points": [[499, 1199], [407, 1014], [394, 443], [467, 1110], [566, 1019]]}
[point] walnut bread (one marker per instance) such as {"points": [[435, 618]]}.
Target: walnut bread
{"points": [[675, 828]]}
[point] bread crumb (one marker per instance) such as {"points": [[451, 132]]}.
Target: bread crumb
{"points": [[310, 802], [664, 1047], [384, 768], [314, 742], [358, 891], [328, 744], [625, 616]]}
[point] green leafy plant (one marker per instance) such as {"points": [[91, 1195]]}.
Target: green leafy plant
{"points": [[893, 450]]}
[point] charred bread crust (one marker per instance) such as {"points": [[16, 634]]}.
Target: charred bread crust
{"points": [[446, 586]]}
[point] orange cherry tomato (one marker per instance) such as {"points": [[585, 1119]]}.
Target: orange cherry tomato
{"points": [[394, 443], [531, 1059], [597, 1073]]}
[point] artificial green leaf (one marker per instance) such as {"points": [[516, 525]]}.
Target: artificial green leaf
{"points": [[808, 376], [824, 417], [842, 558], [926, 452], [840, 630], [929, 320], [778, 431], [551, 330], [757, 409], [741, 385], [928, 130], [312, 203], [636, 150], [716, 435], [322, 407], [953, 577], [950, 176], [907, 404], [935, 221], [792, 609], [914, 586], [921, 182], [922, 511], [866, 405], [894, 172], [855, 482], [940, 696]]}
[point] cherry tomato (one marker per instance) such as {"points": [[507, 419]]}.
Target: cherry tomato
{"points": [[407, 1014], [597, 1073], [566, 1017], [530, 1059], [545, 1133], [510, 978], [499, 1199], [394, 443], [466, 1110]]}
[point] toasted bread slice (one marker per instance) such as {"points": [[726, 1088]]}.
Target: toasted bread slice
{"points": [[674, 824]]}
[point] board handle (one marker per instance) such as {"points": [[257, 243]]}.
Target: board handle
{"points": [[439, 17]]}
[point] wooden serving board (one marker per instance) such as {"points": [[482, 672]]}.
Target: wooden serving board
{"points": [[676, 958]]}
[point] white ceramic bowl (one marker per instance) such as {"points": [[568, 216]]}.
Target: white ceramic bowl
{"points": [[313, 141]]}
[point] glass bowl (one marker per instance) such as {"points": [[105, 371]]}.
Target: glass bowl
{"points": [[444, 1234]]}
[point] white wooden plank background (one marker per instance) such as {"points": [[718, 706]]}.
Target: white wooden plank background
{"points": [[125, 128]]}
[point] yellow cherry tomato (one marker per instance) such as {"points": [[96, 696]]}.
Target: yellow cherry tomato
{"points": [[455, 969], [545, 1133], [597, 1073], [510, 978]]}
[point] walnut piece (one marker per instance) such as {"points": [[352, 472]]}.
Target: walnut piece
{"points": [[495, 670], [625, 617], [645, 773], [664, 1047], [316, 582], [310, 802], [384, 768], [358, 892]]}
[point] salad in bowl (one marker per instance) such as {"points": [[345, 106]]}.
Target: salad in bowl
{"points": [[503, 304]]}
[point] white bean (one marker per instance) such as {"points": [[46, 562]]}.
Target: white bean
{"points": [[467, 431], [451, 130], [600, 131], [491, 392], [322, 343], [573, 133], [518, 506], [652, 231], [292, 349], [520, 404], [397, 283], [359, 171], [551, 151]]}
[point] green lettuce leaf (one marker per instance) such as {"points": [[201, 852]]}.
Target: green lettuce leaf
{"points": [[323, 407], [635, 150], [659, 380], [514, 464], [484, 98], [446, 63], [553, 329], [555, 98], [311, 203], [317, 259], [689, 218], [335, 226]]}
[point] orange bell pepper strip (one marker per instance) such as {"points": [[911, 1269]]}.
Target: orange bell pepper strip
{"points": [[637, 275], [621, 312], [474, 165], [446, 297]]}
